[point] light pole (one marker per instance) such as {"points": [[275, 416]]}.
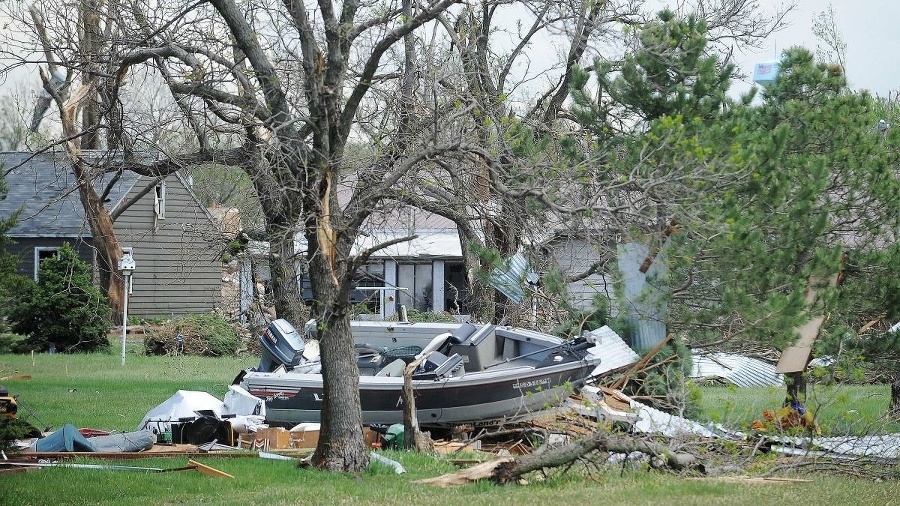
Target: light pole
{"points": [[126, 267]]}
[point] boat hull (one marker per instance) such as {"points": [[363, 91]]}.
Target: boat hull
{"points": [[484, 398]]}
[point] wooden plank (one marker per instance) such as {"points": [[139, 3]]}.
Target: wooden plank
{"points": [[209, 471]]}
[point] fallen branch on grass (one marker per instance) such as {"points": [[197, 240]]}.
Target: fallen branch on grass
{"points": [[509, 470]]}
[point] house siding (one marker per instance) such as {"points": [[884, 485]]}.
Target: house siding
{"points": [[23, 248], [576, 255], [178, 258]]}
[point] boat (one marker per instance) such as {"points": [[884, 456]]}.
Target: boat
{"points": [[480, 374]]}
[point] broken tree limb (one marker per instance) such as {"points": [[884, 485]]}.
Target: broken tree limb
{"points": [[509, 470], [412, 436], [469, 475], [640, 364]]}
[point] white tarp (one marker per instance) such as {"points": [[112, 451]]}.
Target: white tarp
{"points": [[241, 402], [181, 405]]}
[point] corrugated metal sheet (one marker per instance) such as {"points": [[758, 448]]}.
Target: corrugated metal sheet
{"points": [[742, 371], [509, 278], [644, 294], [881, 446], [613, 351]]}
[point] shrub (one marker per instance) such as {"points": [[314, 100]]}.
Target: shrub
{"points": [[414, 315], [206, 334], [63, 308], [13, 343]]}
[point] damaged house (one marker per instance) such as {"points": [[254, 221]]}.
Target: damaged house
{"points": [[173, 239]]}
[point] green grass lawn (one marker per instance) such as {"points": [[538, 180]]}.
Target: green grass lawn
{"points": [[839, 409], [96, 391]]}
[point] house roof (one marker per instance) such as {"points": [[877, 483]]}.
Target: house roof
{"points": [[43, 186]]}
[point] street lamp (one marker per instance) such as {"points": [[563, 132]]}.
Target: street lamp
{"points": [[126, 267]]}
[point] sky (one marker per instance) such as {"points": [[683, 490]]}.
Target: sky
{"points": [[868, 27]]}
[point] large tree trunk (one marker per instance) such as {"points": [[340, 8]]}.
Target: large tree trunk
{"points": [[341, 445], [283, 267], [281, 210], [104, 241], [90, 46], [85, 136]]}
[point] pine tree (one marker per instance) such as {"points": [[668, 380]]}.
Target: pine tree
{"points": [[63, 309]]}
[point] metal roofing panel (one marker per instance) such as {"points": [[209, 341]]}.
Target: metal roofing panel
{"points": [[740, 370], [614, 353], [644, 294]]}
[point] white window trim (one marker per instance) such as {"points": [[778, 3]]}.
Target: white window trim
{"points": [[159, 200], [37, 257]]}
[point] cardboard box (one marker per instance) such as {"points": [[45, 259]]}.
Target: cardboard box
{"points": [[308, 438], [271, 438], [278, 438]]}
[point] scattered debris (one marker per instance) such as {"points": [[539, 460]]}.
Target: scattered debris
{"points": [[786, 417], [71, 439], [192, 465], [388, 462], [183, 404], [209, 471]]}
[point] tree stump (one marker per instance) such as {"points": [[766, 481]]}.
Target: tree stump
{"points": [[412, 436]]}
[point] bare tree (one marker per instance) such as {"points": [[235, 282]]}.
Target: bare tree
{"points": [[293, 84], [492, 59]]}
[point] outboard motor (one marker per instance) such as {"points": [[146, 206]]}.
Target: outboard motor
{"points": [[281, 344]]}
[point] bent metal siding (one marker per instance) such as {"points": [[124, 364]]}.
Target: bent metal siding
{"points": [[178, 257]]}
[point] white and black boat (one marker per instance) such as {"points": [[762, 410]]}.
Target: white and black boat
{"points": [[473, 374]]}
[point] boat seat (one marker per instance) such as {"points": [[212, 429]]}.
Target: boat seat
{"points": [[436, 344], [440, 366], [479, 349], [393, 369]]}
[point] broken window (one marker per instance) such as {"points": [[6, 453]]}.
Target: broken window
{"points": [[159, 203]]}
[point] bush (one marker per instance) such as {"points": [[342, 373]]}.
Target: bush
{"points": [[13, 343], [63, 309], [205, 334]]}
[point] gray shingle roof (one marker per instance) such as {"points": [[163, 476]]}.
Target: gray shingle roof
{"points": [[43, 185]]}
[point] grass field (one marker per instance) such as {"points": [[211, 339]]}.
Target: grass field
{"points": [[96, 391]]}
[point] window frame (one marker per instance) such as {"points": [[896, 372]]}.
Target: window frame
{"points": [[37, 258], [159, 200]]}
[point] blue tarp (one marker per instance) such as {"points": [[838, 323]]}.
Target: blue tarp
{"points": [[66, 439]]}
